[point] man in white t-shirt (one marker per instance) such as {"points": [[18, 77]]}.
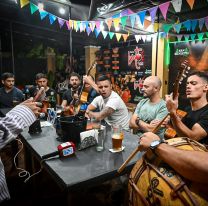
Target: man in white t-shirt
{"points": [[112, 108]]}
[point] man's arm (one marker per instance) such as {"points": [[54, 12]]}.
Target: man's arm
{"points": [[102, 114], [192, 165]]}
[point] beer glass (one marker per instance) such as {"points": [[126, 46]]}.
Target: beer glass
{"points": [[117, 137]]}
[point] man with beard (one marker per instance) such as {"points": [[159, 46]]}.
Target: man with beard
{"points": [[151, 110], [111, 107], [71, 96], [195, 124], [9, 94]]}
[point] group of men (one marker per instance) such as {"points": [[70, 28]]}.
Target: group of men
{"points": [[105, 104]]}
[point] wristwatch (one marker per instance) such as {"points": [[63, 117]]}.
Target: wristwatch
{"points": [[154, 144]]}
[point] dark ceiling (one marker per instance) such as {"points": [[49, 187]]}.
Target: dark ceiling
{"points": [[23, 23]]}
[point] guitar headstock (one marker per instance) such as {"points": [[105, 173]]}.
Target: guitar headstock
{"points": [[182, 73], [93, 66]]}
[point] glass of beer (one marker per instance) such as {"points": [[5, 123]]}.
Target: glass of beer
{"points": [[117, 137], [96, 124]]}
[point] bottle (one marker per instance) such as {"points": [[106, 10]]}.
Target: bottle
{"points": [[52, 100], [27, 93]]}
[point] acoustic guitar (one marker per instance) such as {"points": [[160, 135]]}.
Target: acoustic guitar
{"points": [[170, 132], [84, 94]]}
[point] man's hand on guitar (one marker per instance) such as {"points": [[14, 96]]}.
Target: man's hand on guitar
{"points": [[155, 122], [171, 104]]}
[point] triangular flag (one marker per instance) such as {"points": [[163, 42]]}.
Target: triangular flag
{"points": [[116, 16], [88, 29], [193, 24], [61, 21], [207, 34], [132, 19], [97, 23], [125, 36], [186, 36], [118, 36], [206, 21], [67, 24], [116, 22], [97, 32], [52, 18], [200, 36], [105, 33], [167, 27], [92, 25], [190, 3], [193, 37], [179, 37], [163, 34], [144, 37], [146, 23], [24, 3], [33, 8], [126, 12], [111, 34], [75, 26], [137, 37], [164, 8], [43, 14], [201, 23], [153, 12], [187, 24], [177, 5], [177, 27], [156, 27], [109, 23], [71, 24], [81, 27], [86, 24], [142, 16], [123, 21]]}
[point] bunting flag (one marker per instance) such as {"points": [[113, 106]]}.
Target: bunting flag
{"points": [[111, 34], [116, 22], [156, 27], [88, 29], [190, 3], [187, 24], [132, 19], [109, 23], [177, 5], [43, 14], [179, 37], [193, 24], [146, 23], [75, 26], [137, 37], [92, 25], [123, 21], [118, 36], [67, 25], [71, 24], [201, 23], [193, 37], [153, 12], [206, 21], [167, 27], [97, 24], [164, 8], [33, 8], [61, 22], [186, 36], [97, 32], [200, 36], [125, 36], [105, 33], [141, 15], [207, 34], [52, 18], [177, 27], [24, 3], [144, 37]]}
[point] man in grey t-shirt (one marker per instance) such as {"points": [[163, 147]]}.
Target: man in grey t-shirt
{"points": [[112, 108], [151, 110]]}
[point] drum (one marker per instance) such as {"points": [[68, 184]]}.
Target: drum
{"points": [[153, 182]]}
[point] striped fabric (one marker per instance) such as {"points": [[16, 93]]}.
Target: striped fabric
{"points": [[10, 126]]}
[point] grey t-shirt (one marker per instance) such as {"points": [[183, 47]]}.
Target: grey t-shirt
{"points": [[114, 101], [148, 111]]}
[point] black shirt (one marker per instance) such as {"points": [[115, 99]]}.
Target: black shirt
{"points": [[33, 91], [199, 116], [6, 99]]}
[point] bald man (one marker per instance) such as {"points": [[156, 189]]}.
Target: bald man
{"points": [[150, 110]]}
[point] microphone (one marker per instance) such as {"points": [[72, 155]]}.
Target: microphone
{"points": [[64, 150]]}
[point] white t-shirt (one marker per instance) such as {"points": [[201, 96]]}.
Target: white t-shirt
{"points": [[120, 116]]}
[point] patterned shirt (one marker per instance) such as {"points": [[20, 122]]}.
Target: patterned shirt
{"points": [[10, 126]]}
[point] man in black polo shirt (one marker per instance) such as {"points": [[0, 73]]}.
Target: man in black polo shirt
{"points": [[9, 94]]}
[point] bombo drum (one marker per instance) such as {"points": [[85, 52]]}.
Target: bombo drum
{"points": [[153, 182]]}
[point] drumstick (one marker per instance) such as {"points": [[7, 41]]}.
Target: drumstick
{"points": [[121, 168]]}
